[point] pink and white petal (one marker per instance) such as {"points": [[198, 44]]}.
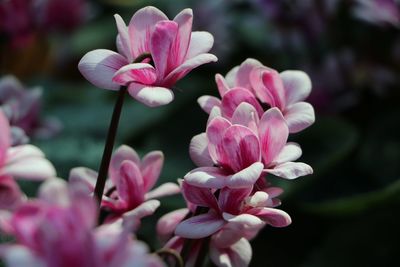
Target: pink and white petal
{"points": [[273, 133], [30, 168], [151, 96], [208, 177], [207, 102], [198, 151], [246, 177], [199, 226], [222, 85], [55, 191], [166, 189], [122, 153], [290, 170], [230, 77], [237, 255], [83, 175], [215, 112], [241, 146], [274, 191], [263, 93], [200, 42], [246, 115], [230, 200], [297, 85], [123, 38], [242, 78], [215, 132], [166, 225], [141, 27], [10, 194], [273, 217], [299, 116], [181, 44], [99, 66], [150, 167], [258, 199], [138, 72], [131, 219], [187, 66], [17, 256], [234, 97], [130, 186], [199, 196], [290, 152], [5, 137]]}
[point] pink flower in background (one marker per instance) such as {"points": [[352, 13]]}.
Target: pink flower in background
{"points": [[252, 82], [23, 161], [380, 12], [174, 50], [58, 230], [127, 191]]}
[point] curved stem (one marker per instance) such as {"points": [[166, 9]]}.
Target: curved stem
{"points": [[112, 131]]}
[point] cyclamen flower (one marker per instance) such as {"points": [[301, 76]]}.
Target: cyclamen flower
{"points": [[149, 38], [127, 192], [380, 12], [58, 230], [235, 154], [252, 82]]}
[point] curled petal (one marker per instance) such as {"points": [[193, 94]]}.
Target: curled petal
{"points": [[130, 185], [123, 153], [237, 255], [273, 217], [181, 44], [151, 96], [199, 196], [123, 38], [198, 150], [246, 115], [299, 116], [163, 190], [99, 66], [215, 131], [290, 152], [230, 200], [200, 43], [151, 167], [234, 97], [230, 77], [222, 85], [83, 175], [207, 102], [131, 219], [291, 170], [199, 226], [246, 177], [243, 74], [215, 112], [208, 177], [166, 225], [297, 85], [138, 72]]}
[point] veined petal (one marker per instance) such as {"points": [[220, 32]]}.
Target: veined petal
{"points": [[291, 170], [237, 255], [297, 85], [123, 153], [215, 132], [198, 150], [151, 96], [199, 196], [246, 115], [273, 217], [130, 186], [166, 224], [215, 112], [273, 133], [273, 83], [163, 190], [99, 66], [290, 152], [181, 43], [208, 177], [299, 116], [138, 72], [199, 226], [230, 200], [123, 38], [242, 78], [141, 28], [207, 102], [151, 167], [222, 84], [200, 43], [234, 97], [246, 177], [5, 137], [131, 219]]}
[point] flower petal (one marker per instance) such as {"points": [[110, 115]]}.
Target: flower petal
{"points": [[230, 200], [222, 84], [151, 167], [246, 115], [99, 66], [10, 194], [242, 78], [290, 170], [299, 116], [199, 226], [163, 190], [199, 196], [181, 43], [5, 137], [290, 152], [123, 37], [167, 223], [200, 43], [207, 102], [234, 97], [138, 72], [17, 256], [273, 217], [55, 191], [237, 255], [273, 134], [131, 219], [130, 184], [209, 177], [123, 153], [215, 131], [83, 175], [246, 177], [151, 96], [198, 150], [297, 85]]}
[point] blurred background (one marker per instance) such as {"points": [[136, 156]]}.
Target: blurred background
{"points": [[345, 214]]}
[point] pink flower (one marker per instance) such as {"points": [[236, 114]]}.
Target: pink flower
{"points": [[174, 50], [252, 82], [236, 153], [24, 161], [380, 12], [127, 191]]}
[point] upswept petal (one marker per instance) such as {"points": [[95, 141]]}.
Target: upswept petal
{"points": [[290, 152], [237, 255], [230, 77], [181, 43], [123, 153], [83, 175], [99, 66], [200, 43], [291, 170], [55, 191], [5, 137], [273, 217], [208, 177], [187, 66], [215, 132], [151, 167], [297, 85], [207, 102], [230, 200], [131, 219], [198, 150], [123, 38], [242, 78], [163, 190], [234, 97], [130, 185], [246, 115], [166, 224], [141, 28], [246, 177], [299, 116], [222, 84], [241, 146], [273, 133], [161, 46], [215, 112], [152, 96], [199, 226], [199, 196], [258, 199], [273, 83], [138, 72]]}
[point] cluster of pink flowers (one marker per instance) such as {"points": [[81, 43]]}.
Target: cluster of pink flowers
{"points": [[228, 197]]}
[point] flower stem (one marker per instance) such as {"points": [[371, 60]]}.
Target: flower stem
{"points": [[112, 131]]}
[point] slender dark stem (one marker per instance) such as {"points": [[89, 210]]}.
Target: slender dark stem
{"points": [[202, 252], [112, 131]]}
